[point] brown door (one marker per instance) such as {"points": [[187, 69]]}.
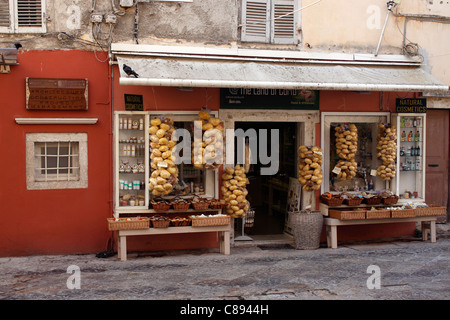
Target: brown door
{"points": [[437, 148]]}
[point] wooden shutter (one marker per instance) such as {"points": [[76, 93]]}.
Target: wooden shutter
{"points": [[255, 20], [284, 21], [5, 16], [29, 13]]}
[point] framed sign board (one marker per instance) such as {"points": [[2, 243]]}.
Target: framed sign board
{"points": [[411, 105], [56, 94], [134, 102]]}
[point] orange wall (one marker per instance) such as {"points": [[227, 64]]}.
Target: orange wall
{"points": [[54, 221]]}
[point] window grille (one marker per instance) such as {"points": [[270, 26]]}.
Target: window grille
{"points": [[57, 161]]}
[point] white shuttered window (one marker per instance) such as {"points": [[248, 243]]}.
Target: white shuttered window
{"points": [[22, 16], [269, 21]]}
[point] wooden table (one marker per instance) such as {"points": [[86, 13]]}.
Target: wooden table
{"points": [[427, 223], [224, 236]]}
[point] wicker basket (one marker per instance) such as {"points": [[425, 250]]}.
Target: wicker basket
{"points": [[180, 222], [210, 221], [160, 222], [372, 201], [332, 202], [348, 214], [180, 204], [353, 202], [390, 200], [403, 213], [133, 224], [432, 210], [217, 204], [378, 214], [161, 205], [200, 203], [307, 228]]}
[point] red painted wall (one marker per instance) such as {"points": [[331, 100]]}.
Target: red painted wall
{"points": [[64, 221]]}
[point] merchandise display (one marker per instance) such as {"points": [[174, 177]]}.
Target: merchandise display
{"points": [[164, 172], [346, 148], [309, 167], [208, 149], [387, 151], [234, 191]]}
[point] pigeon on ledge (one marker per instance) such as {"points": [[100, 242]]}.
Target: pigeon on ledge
{"points": [[129, 71]]}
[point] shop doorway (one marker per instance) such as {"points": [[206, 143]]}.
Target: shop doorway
{"points": [[268, 194]]}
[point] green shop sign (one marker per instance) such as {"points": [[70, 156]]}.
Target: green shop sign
{"points": [[241, 98], [411, 105]]}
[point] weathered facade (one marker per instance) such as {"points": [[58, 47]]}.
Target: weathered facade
{"points": [[86, 39]]}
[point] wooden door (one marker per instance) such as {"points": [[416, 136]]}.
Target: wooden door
{"points": [[437, 148]]}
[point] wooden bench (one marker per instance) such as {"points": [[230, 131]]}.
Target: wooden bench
{"points": [[427, 224], [223, 231]]}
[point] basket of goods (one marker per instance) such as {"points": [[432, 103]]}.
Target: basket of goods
{"points": [[180, 203], [386, 150], [180, 222], [405, 211], [208, 149], [331, 200], [234, 191], [217, 204], [424, 210], [164, 172], [346, 148], [387, 197], [200, 203], [378, 213], [160, 204], [309, 167], [210, 220], [131, 223], [349, 214], [351, 199], [160, 222], [371, 199]]}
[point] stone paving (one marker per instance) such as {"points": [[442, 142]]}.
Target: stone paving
{"points": [[408, 269]]}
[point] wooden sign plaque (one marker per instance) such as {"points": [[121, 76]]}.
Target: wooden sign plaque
{"points": [[56, 94]]}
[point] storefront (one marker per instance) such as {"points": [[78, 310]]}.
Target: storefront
{"points": [[321, 96]]}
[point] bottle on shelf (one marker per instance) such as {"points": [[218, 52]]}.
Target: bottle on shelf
{"points": [[417, 136], [410, 136], [403, 136]]}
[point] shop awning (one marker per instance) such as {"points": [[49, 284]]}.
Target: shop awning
{"points": [[228, 72]]}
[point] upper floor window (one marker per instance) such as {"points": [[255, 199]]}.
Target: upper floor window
{"points": [[269, 21], [22, 16]]}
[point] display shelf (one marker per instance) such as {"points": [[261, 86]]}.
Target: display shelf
{"points": [[410, 181]]}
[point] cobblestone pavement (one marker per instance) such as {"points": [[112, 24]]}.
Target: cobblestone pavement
{"points": [[408, 269]]}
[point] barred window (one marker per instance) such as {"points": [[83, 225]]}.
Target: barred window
{"points": [[56, 160]]}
